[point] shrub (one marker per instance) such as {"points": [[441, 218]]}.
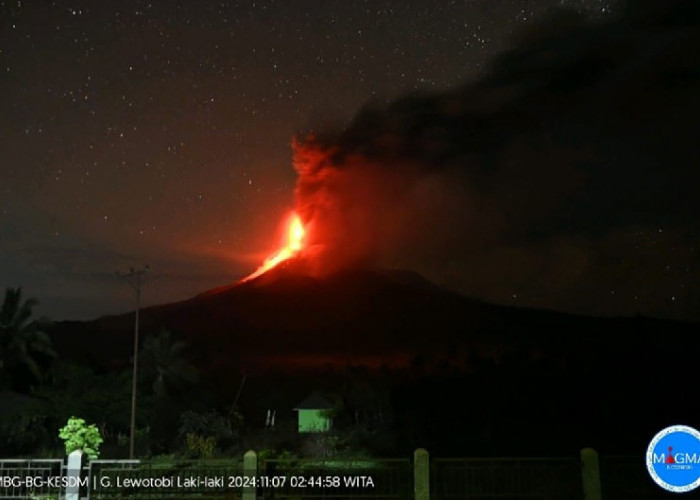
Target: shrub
{"points": [[210, 429], [79, 436], [199, 446], [22, 433]]}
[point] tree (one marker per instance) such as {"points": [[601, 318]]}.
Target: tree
{"points": [[74, 389], [205, 432], [169, 382], [164, 365], [21, 337], [22, 424], [79, 436]]}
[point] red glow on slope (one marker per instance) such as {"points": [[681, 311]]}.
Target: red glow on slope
{"points": [[293, 245]]}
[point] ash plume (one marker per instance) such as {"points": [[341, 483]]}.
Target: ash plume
{"points": [[537, 178]]}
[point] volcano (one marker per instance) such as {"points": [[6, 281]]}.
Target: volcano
{"points": [[531, 377], [286, 317], [379, 318]]}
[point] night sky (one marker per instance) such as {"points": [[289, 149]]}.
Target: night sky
{"points": [[160, 133]]}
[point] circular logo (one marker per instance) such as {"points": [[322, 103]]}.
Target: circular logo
{"points": [[673, 458]]}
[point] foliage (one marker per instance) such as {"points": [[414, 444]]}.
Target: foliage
{"points": [[199, 446], [72, 389], [202, 430], [79, 436], [209, 424], [164, 366], [23, 433], [320, 445], [22, 424], [22, 339], [285, 461], [167, 386], [273, 454], [123, 439]]}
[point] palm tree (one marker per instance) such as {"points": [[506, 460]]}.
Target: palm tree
{"points": [[165, 365], [168, 378], [21, 336]]}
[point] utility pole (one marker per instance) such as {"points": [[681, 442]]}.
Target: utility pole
{"points": [[133, 277]]}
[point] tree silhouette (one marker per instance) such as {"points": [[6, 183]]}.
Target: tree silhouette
{"points": [[21, 337], [164, 365], [168, 380]]}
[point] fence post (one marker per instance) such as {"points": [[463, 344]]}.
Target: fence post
{"points": [[74, 469], [250, 469], [590, 474], [421, 474]]}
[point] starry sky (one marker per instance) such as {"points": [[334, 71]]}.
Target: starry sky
{"points": [[137, 132]]}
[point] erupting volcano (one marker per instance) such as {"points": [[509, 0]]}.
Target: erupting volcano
{"points": [[294, 243]]}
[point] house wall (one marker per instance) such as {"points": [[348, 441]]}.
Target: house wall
{"points": [[313, 421]]}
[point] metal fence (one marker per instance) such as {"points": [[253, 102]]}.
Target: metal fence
{"points": [[337, 479], [171, 479], [506, 479], [31, 479], [626, 478], [621, 478]]}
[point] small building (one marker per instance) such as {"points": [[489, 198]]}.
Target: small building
{"points": [[314, 414]]}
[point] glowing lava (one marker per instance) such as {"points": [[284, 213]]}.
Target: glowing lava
{"points": [[294, 244]]}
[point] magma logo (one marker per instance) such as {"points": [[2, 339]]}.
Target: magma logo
{"points": [[673, 458]]}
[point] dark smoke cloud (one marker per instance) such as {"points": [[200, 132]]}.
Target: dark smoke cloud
{"points": [[546, 178]]}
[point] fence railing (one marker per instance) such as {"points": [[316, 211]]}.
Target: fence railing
{"points": [[423, 478], [506, 478], [390, 479], [626, 478], [164, 479], [31, 478]]}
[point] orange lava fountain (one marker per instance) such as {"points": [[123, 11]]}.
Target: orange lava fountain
{"points": [[294, 244]]}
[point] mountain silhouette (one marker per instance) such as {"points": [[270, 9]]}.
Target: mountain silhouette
{"points": [[532, 379], [368, 316]]}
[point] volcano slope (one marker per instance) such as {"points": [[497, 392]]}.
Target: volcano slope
{"points": [[353, 317], [529, 379]]}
